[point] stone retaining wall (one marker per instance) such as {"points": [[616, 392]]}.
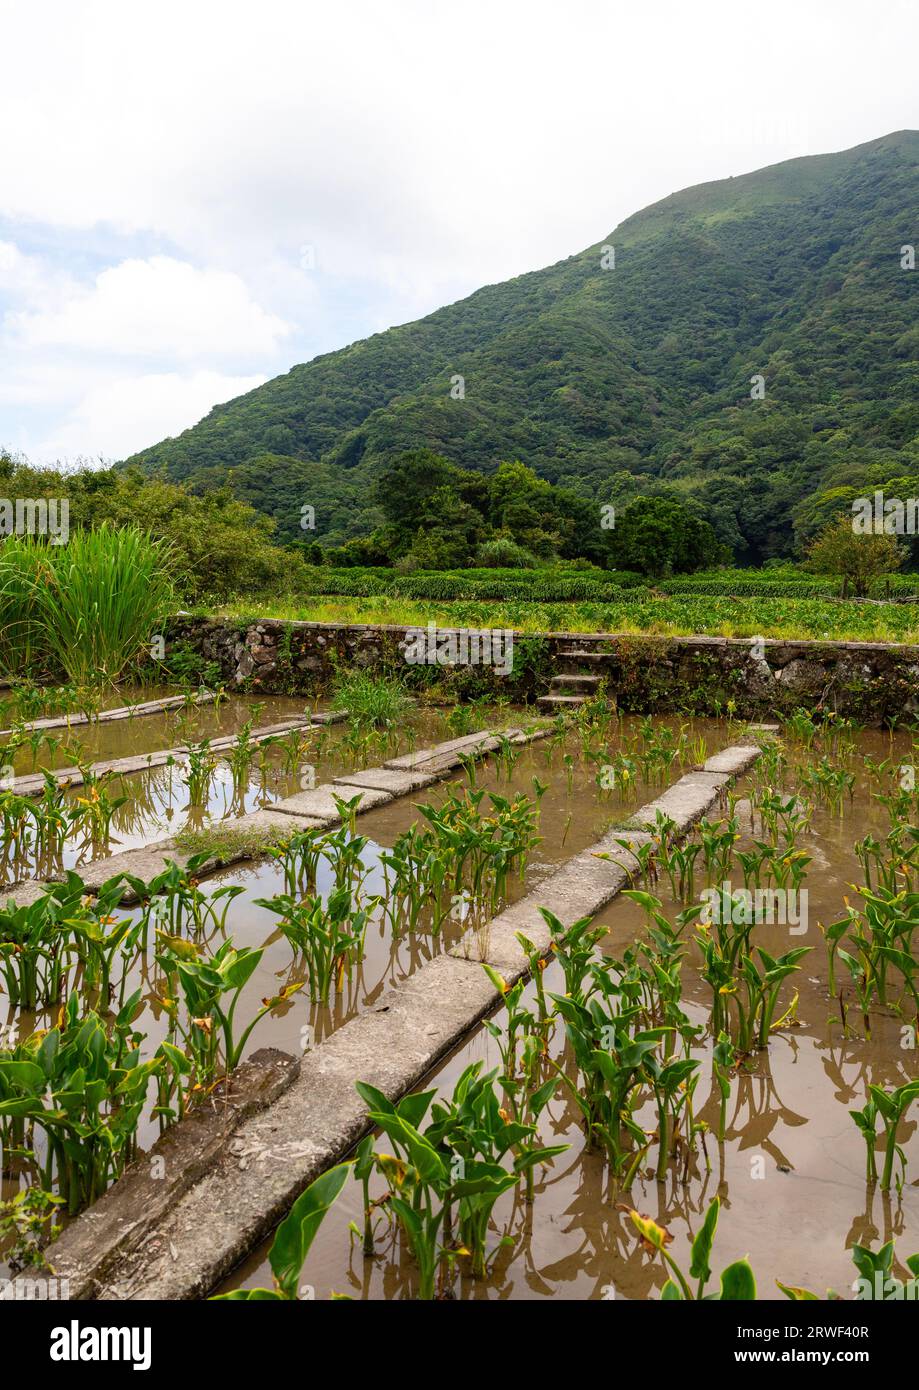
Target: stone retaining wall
{"points": [[869, 681]]}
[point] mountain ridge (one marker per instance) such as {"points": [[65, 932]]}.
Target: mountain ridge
{"points": [[617, 381]]}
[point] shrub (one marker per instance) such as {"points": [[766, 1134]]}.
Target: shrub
{"points": [[539, 586], [503, 553], [377, 702], [87, 609]]}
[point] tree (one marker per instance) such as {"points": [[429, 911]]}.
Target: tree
{"points": [[449, 532], [858, 558], [659, 536]]}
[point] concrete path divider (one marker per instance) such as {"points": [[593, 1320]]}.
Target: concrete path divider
{"points": [[105, 716], [33, 783]]}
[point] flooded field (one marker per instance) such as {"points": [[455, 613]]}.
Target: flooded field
{"points": [[762, 968], [548, 783], [196, 789], [104, 740], [790, 1170]]}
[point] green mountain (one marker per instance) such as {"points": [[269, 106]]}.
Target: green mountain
{"points": [[636, 377]]}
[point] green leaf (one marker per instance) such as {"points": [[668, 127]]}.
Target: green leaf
{"points": [[295, 1235], [248, 1296], [702, 1245], [738, 1283], [797, 1295]]}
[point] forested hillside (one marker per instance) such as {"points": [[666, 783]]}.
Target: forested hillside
{"points": [[620, 380]]}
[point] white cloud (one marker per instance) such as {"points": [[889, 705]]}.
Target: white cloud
{"points": [[465, 142], [64, 349], [124, 414], [422, 150], [156, 308], [19, 274]]}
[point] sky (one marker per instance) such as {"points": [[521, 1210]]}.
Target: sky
{"points": [[196, 196]]}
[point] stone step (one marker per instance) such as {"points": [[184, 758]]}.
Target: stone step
{"points": [[590, 655], [560, 702], [572, 683]]}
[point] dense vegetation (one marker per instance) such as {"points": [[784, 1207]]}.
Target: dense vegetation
{"points": [[635, 611], [635, 379], [218, 545], [435, 517], [438, 516], [87, 610]]}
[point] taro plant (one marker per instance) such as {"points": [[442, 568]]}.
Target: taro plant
{"points": [[737, 1281], [610, 1053], [329, 936], [781, 817], [83, 1083], [479, 1135], [40, 941], [673, 1082], [293, 1239], [454, 1169], [643, 852], [199, 772], [679, 862], [728, 968], [763, 984], [95, 809], [716, 843], [299, 858], [829, 784], [537, 965], [211, 987], [522, 1046], [417, 1176], [876, 1281], [724, 1060], [173, 903], [882, 935], [661, 949], [891, 1106], [574, 948], [893, 863]]}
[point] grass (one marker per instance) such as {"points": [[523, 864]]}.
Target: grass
{"points": [[789, 618], [226, 843], [372, 702], [87, 610]]}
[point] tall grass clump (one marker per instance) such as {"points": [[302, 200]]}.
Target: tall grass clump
{"points": [[24, 646], [87, 609], [372, 702]]}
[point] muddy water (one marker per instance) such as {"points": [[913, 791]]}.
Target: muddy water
{"points": [[791, 1171], [158, 802], [125, 738], [573, 814], [24, 703]]}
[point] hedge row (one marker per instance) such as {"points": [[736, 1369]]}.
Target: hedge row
{"points": [[576, 586], [808, 586], [539, 586]]}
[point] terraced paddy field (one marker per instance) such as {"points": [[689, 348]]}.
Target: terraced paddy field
{"points": [[784, 1157], [533, 983]]}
